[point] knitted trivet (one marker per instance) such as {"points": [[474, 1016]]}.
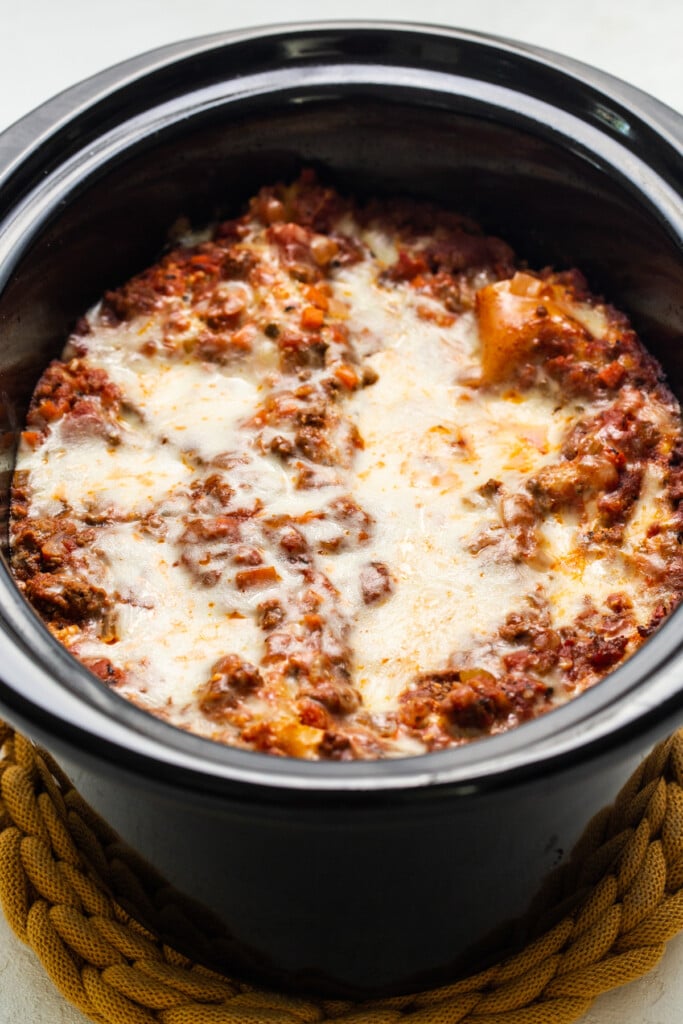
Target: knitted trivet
{"points": [[58, 859]]}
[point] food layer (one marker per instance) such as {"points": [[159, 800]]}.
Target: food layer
{"points": [[348, 481]]}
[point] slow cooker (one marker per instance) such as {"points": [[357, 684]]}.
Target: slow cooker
{"points": [[375, 877]]}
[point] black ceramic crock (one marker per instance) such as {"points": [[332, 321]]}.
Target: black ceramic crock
{"points": [[370, 877]]}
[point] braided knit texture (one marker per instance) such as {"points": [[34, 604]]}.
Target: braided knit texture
{"points": [[58, 859]]}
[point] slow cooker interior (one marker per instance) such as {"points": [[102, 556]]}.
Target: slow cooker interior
{"points": [[555, 205]]}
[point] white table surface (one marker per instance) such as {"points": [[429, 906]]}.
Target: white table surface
{"points": [[50, 44]]}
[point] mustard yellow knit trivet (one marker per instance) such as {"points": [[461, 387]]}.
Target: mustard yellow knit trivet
{"points": [[56, 854]]}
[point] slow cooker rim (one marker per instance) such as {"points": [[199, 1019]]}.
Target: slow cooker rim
{"points": [[430, 769], [21, 138]]}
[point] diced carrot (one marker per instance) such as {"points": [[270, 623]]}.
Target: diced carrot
{"points": [[31, 438], [347, 376], [317, 297], [261, 576], [312, 318]]}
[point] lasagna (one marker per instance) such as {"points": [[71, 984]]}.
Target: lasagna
{"points": [[336, 480]]}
